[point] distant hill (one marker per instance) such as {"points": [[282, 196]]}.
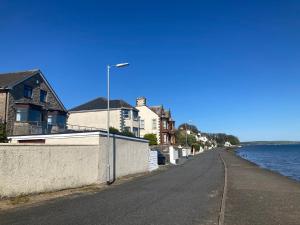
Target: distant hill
{"points": [[270, 143]]}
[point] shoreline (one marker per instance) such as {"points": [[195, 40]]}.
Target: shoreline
{"points": [[257, 195], [234, 151]]}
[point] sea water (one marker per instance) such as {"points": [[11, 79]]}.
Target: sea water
{"points": [[284, 159]]}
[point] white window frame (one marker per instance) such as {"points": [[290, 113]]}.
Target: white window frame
{"points": [[154, 124], [142, 124]]}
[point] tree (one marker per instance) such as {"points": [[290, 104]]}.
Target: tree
{"points": [[3, 137], [181, 138], [221, 138], [190, 127], [152, 138], [233, 140]]}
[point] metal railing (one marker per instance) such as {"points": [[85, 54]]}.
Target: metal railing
{"points": [[37, 127]]}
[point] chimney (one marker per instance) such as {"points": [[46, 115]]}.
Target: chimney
{"points": [[141, 101]]}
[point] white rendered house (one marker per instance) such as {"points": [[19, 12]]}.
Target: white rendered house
{"points": [[149, 120], [93, 114]]}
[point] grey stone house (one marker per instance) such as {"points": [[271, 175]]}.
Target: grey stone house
{"points": [[29, 105]]}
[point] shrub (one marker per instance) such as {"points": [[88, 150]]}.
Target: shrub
{"points": [[113, 130], [196, 146], [152, 138], [127, 133], [3, 137]]}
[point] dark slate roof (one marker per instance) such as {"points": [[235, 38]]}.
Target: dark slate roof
{"points": [[8, 80], [157, 109], [160, 111], [101, 103]]}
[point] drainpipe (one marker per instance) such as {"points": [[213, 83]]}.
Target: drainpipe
{"points": [[5, 112]]}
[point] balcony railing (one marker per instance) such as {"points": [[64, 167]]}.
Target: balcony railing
{"points": [[34, 128]]}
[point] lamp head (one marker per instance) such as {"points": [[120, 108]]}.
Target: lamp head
{"points": [[121, 65]]}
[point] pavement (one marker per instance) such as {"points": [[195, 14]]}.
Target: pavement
{"points": [[256, 196], [186, 194]]}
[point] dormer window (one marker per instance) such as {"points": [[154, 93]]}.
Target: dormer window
{"points": [[43, 96], [27, 92]]}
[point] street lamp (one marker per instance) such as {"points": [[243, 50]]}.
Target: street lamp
{"points": [[108, 117]]}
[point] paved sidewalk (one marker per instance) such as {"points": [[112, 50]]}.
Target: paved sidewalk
{"points": [[259, 197], [185, 194]]}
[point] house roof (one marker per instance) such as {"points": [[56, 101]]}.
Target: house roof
{"points": [[9, 80], [101, 103], [157, 109], [160, 111]]}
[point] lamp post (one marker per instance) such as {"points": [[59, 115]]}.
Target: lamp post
{"points": [[108, 117]]}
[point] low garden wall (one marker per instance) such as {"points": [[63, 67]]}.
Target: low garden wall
{"points": [[27, 169]]}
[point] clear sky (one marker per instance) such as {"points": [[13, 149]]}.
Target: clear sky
{"points": [[229, 66]]}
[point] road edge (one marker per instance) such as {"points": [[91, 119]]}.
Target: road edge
{"points": [[223, 201]]}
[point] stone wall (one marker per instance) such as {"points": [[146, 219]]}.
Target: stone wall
{"points": [[2, 106]]}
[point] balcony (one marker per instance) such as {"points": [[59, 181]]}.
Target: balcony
{"points": [[36, 128]]}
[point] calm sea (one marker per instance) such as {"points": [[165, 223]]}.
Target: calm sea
{"points": [[284, 159]]}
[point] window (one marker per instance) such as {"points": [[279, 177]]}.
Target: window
{"points": [[28, 115], [34, 115], [135, 131], [50, 120], [142, 124], [166, 138], [135, 114], [127, 129], [57, 120], [27, 92], [21, 115], [154, 123], [61, 120], [43, 96], [164, 124], [126, 114]]}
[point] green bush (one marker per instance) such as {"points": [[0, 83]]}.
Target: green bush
{"points": [[127, 133], [196, 146], [113, 130], [3, 137], [152, 138]]}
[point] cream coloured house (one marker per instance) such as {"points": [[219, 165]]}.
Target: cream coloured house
{"points": [[93, 114], [149, 120]]}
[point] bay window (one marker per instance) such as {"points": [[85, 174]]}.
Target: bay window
{"points": [[28, 115]]}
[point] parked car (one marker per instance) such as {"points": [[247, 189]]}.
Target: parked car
{"points": [[161, 159]]}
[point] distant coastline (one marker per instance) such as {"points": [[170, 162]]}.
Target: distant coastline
{"points": [[270, 143]]}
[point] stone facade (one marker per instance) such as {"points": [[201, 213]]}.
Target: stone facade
{"points": [[15, 99], [3, 99]]}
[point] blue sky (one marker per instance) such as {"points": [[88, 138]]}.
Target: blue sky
{"points": [[229, 66]]}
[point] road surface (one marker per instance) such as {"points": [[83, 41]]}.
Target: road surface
{"points": [[186, 194]]}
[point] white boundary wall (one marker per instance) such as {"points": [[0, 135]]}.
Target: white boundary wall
{"points": [[153, 160], [26, 169]]}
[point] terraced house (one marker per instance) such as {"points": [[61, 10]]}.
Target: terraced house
{"points": [[93, 114], [29, 105]]}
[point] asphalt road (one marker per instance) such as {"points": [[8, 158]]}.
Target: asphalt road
{"points": [[186, 194]]}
